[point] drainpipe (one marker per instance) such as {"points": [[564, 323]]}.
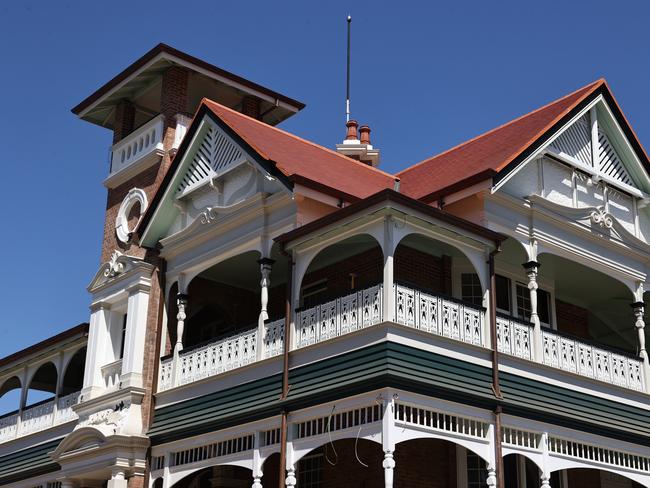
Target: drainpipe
{"points": [[496, 387], [285, 369]]}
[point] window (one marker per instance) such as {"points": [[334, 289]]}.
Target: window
{"points": [[123, 337], [314, 293], [310, 471], [471, 290], [543, 304], [503, 294], [476, 471]]}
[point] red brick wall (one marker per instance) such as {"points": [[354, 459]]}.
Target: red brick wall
{"points": [[572, 319], [583, 478], [124, 120], [411, 267]]}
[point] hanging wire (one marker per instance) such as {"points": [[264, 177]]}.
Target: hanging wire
{"points": [[329, 433]]}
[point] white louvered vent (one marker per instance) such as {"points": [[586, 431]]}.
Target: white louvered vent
{"points": [[610, 164], [215, 152], [575, 141]]}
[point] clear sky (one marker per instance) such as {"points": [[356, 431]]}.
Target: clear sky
{"points": [[425, 77]]}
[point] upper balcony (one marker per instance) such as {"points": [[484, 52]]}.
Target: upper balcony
{"points": [[555, 317], [39, 387], [142, 148]]}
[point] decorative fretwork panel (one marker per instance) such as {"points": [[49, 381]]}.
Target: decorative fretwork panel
{"points": [[575, 141], [521, 438], [224, 355], [338, 421], [214, 153], [602, 455], [514, 337], [339, 316], [574, 356], [215, 450], [439, 315], [440, 421]]}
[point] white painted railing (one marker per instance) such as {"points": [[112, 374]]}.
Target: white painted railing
{"points": [[576, 356], [339, 316], [439, 315], [111, 374], [39, 417], [8, 427], [221, 355], [570, 354], [141, 142], [514, 337]]}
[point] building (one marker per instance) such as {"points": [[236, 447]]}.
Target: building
{"points": [[271, 312]]}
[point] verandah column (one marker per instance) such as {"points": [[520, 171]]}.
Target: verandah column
{"points": [[638, 308], [532, 269], [389, 251], [388, 440], [266, 265]]}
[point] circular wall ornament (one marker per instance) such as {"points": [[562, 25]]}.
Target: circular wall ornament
{"points": [[134, 197]]}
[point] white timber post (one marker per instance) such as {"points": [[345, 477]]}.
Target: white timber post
{"points": [[290, 480], [59, 386], [532, 270], [181, 315], [24, 388], [388, 440], [491, 464], [118, 479], [546, 475], [389, 250], [266, 265], [98, 346], [257, 462], [639, 323], [134, 338]]}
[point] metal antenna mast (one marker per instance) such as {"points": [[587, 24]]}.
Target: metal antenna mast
{"points": [[347, 84]]}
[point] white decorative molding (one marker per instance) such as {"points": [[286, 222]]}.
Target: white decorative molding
{"points": [[135, 196], [600, 217], [118, 266]]}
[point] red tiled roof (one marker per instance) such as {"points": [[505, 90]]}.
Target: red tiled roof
{"points": [[490, 152], [304, 161]]}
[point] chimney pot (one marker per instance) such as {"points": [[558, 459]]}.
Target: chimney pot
{"points": [[365, 134], [352, 126]]}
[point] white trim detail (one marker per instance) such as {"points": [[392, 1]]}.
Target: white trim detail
{"points": [[135, 195]]}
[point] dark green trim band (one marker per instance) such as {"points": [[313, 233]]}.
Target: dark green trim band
{"points": [[397, 366], [27, 463]]}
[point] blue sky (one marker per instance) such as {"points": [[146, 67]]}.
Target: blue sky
{"points": [[425, 77]]}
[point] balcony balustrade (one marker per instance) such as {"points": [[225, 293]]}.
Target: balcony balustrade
{"points": [[140, 143], [38, 417], [571, 354], [222, 355], [425, 311], [111, 374]]}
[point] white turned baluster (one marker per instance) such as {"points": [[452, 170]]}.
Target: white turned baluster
{"points": [[639, 323], [257, 482], [265, 284], [491, 477], [546, 481], [532, 268], [180, 324], [389, 469], [291, 477]]}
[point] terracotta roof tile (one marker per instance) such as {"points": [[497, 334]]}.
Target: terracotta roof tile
{"points": [[489, 152], [297, 157]]}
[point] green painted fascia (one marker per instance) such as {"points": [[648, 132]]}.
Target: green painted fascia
{"points": [[398, 366], [27, 463]]}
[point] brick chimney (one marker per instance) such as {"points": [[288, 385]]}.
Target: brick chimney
{"points": [[357, 144]]}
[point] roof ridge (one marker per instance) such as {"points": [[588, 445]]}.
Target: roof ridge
{"points": [[235, 112], [590, 86]]}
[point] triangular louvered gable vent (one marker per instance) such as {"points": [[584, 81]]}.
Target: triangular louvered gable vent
{"points": [[609, 162], [575, 141], [215, 152]]}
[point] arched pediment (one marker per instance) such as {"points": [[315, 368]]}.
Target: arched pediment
{"points": [[118, 265], [81, 439]]}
